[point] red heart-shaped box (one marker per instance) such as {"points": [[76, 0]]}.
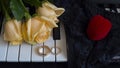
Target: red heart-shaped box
{"points": [[98, 28]]}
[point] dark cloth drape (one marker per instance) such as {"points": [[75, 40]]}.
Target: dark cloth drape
{"points": [[81, 50]]}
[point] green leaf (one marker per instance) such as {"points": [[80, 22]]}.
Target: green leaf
{"points": [[18, 9], [35, 3], [6, 5], [5, 9], [5, 2]]}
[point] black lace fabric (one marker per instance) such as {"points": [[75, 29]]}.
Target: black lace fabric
{"points": [[80, 47], [109, 47]]}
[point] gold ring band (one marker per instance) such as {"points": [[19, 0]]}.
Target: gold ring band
{"points": [[55, 50], [44, 50]]}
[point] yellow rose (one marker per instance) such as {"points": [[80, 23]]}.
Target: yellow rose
{"points": [[50, 11], [37, 29], [58, 11], [12, 32]]}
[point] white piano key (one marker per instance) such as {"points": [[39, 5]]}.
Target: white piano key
{"points": [[50, 43], [62, 57], [13, 53], [35, 55], [25, 53], [3, 49]]}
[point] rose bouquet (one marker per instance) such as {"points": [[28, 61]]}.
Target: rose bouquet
{"points": [[34, 28]]}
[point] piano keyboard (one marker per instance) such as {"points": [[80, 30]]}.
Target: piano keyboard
{"points": [[29, 53]]}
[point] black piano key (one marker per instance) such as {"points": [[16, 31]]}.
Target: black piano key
{"points": [[56, 32], [1, 21]]}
